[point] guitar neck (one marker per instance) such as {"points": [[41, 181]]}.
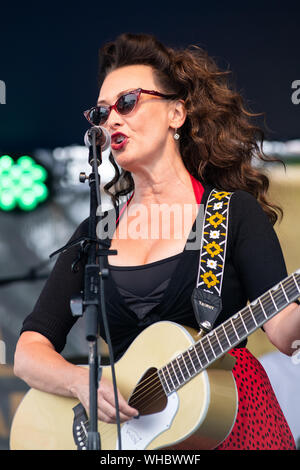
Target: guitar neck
{"points": [[229, 334]]}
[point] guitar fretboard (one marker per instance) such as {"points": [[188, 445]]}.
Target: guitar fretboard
{"points": [[230, 333]]}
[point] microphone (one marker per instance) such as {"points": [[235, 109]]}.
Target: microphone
{"points": [[102, 137]]}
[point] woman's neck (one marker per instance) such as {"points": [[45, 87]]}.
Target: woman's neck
{"points": [[165, 183]]}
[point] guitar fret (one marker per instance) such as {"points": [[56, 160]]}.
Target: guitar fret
{"points": [[267, 305], [201, 365], [234, 329], [207, 337], [279, 299], [203, 360], [170, 376], [296, 284], [184, 364], [165, 380], [200, 342], [284, 292], [179, 367], [258, 312], [290, 288], [209, 351], [196, 362], [239, 325], [175, 373], [213, 345], [226, 335], [241, 317], [270, 293], [215, 333], [214, 340], [192, 360], [222, 337], [250, 309], [263, 310], [230, 332], [248, 319]]}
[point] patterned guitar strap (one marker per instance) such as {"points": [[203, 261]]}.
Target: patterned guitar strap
{"points": [[206, 296]]}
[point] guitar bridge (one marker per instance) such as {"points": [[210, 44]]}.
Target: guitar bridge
{"points": [[80, 427]]}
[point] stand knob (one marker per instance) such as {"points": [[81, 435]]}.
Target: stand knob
{"points": [[82, 177], [104, 273], [76, 306]]}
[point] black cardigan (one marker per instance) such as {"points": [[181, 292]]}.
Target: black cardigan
{"points": [[254, 263]]}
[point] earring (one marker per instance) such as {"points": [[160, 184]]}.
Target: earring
{"points": [[176, 135]]}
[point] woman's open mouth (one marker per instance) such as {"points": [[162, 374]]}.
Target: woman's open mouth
{"points": [[118, 140]]}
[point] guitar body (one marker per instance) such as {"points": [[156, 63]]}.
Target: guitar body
{"points": [[198, 415]]}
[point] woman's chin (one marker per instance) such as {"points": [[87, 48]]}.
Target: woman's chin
{"points": [[123, 160], [126, 161]]}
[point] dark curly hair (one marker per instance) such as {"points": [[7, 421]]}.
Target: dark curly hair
{"points": [[217, 140]]}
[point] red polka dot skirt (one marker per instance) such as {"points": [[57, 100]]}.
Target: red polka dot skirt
{"points": [[260, 423]]}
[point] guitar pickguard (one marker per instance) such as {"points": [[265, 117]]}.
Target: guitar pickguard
{"points": [[137, 434]]}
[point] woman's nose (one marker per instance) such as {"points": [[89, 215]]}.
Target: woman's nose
{"points": [[114, 119]]}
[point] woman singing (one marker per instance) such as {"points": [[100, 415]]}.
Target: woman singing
{"points": [[177, 130]]}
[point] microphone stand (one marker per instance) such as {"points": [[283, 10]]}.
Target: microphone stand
{"points": [[95, 270], [90, 304]]}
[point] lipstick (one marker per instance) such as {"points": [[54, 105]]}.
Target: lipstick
{"points": [[118, 140]]}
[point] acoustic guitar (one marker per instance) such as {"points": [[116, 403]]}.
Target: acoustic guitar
{"points": [[181, 383]]}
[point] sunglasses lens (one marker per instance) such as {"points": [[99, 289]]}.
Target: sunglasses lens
{"points": [[98, 115], [126, 103]]}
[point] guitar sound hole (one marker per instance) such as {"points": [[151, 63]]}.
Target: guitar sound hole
{"points": [[148, 396]]}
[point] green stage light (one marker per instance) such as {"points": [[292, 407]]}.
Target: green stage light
{"points": [[22, 183]]}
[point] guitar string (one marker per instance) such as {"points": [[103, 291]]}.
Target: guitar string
{"points": [[109, 431], [159, 394], [247, 313], [178, 370], [218, 333], [155, 380], [156, 396], [213, 337], [145, 382]]}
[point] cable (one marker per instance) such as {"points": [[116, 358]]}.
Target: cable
{"points": [[103, 309]]}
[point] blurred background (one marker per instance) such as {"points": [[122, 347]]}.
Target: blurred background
{"points": [[48, 77]]}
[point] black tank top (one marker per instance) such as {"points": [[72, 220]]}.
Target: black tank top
{"points": [[142, 287]]}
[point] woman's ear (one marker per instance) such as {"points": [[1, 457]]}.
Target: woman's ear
{"points": [[177, 114]]}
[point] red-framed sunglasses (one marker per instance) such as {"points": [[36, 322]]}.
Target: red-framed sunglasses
{"points": [[126, 103]]}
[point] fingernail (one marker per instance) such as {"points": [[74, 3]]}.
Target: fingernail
{"points": [[137, 417]]}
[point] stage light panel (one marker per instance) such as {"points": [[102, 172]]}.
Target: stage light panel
{"points": [[22, 183]]}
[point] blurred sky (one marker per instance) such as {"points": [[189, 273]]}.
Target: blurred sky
{"points": [[49, 59]]}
